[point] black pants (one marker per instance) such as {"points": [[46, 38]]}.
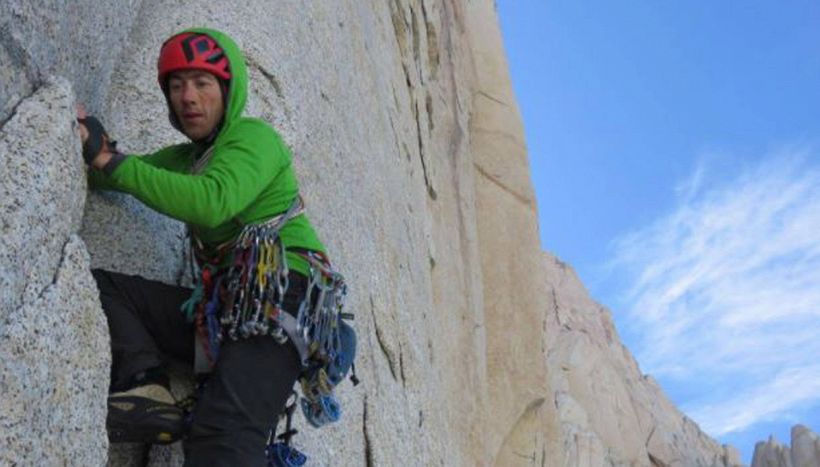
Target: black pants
{"points": [[247, 389]]}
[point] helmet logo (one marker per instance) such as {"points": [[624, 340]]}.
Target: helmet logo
{"points": [[201, 44]]}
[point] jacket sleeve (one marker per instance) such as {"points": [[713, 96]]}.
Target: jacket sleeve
{"points": [[243, 163], [164, 158]]}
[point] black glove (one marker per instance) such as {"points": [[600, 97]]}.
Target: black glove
{"points": [[94, 143]]}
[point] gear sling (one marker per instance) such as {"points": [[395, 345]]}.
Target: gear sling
{"points": [[246, 300]]}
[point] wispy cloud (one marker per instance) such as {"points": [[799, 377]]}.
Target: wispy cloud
{"points": [[724, 292], [771, 400]]}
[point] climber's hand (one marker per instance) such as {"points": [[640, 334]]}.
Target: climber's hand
{"points": [[97, 149]]}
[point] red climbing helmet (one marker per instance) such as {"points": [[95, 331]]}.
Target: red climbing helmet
{"points": [[191, 51]]}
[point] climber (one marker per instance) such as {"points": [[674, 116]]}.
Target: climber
{"points": [[257, 255]]}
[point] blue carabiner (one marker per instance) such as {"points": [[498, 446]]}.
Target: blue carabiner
{"points": [[283, 455], [322, 411]]}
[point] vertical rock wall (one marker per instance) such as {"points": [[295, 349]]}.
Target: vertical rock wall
{"points": [[80, 41], [524, 421], [54, 359], [411, 155]]}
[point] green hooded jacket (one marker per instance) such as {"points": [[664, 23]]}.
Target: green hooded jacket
{"points": [[248, 179]]}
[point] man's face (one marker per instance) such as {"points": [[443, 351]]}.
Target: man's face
{"points": [[196, 99]]}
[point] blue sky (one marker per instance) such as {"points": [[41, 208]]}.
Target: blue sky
{"points": [[675, 153]]}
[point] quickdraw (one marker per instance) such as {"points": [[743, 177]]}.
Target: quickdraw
{"points": [[329, 349], [317, 320], [246, 299], [332, 342], [257, 282]]}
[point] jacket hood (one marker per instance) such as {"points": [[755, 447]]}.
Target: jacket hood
{"points": [[237, 92]]}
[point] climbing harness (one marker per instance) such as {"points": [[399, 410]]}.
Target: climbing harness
{"points": [[239, 293]]}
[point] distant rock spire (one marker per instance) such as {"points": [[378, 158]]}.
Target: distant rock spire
{"points": [[804, 450]]}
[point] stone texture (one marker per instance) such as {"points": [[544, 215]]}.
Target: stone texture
{"points": [[53, 366], [41, 192], [513, 275], [54, 339], [79, 40], [54, 359], [475, 348], [804, 450]]}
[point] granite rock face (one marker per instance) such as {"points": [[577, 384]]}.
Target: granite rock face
{"points": [[54, 358], [80, 41], [804, 450], [474, 348]]}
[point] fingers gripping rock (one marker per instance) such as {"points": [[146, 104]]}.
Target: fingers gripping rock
{"points": [[96, 138]]}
